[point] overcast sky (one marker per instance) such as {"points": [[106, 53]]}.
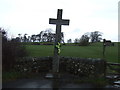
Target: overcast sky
{"points": [[32, 16]]}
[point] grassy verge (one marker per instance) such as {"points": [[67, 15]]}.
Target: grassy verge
{"points": [[98, 82], [11, 76]]}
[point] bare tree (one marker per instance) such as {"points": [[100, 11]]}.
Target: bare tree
{"points": [[25, 38], [84, 40], [20, 38], [29, 39], [47, 35], [69, 41], [76, 41], [33, 37], [62, 37], [4, 34], [95, 36]]}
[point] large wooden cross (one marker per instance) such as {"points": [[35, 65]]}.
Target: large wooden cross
{"points": [[58, 22]]}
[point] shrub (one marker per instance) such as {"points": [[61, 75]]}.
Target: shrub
{"points": [[84, 43], [10, 52]]}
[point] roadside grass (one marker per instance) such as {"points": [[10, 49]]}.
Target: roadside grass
{"points": [[9, 76], [12, 75], [98, 81]]}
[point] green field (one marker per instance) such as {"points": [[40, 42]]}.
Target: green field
{"points": [[92, 51]]}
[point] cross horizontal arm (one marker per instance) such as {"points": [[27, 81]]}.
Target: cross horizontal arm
{"points": [[60, 22], [65, 22], [52, 21]]}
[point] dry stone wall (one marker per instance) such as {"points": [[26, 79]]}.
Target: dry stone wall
{"points": [[77, 66]]}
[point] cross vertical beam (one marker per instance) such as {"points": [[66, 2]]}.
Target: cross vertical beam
{"points": [[58, 22]]}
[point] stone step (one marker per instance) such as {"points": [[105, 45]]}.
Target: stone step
{"points": [[113, 77], [117, 82]]}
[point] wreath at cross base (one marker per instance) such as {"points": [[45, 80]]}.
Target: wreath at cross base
{"points": [[58, 47]]}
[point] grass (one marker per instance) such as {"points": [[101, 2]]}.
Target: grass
{"points": [[9, 76], [40, 50], [12, 75], [92, 51], [98, 82]]}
